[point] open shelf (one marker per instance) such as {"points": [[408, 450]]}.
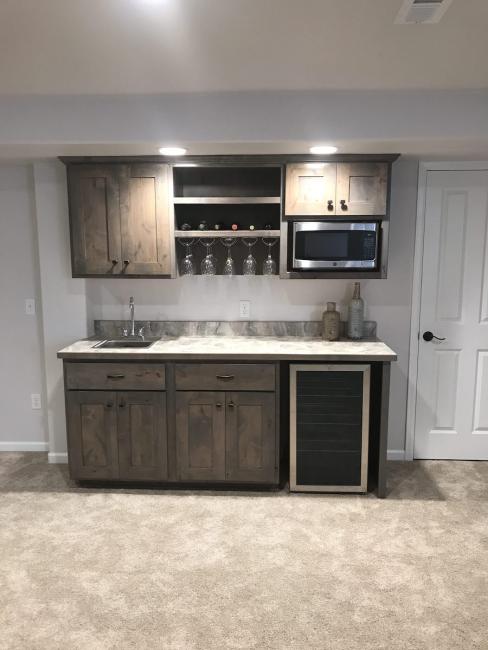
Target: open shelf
{"points": [[214, 234], [225, 200]]}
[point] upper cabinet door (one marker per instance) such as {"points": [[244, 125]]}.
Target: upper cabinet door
{"points": [[144, 205], [362, 188], [95, 219], [310, 189]]}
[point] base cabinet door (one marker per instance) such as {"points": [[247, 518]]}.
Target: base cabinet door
{"points": [[251, 437], [92, 435], [200, 435], [142, 435]]}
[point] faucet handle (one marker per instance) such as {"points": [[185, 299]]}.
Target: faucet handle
{"points": [[140, 332], [125, 332]]}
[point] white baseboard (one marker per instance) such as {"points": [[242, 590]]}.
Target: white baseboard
{"points": [[59, 459], [24, 446], [396, 454]]}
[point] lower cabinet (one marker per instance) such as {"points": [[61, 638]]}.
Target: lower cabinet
{"points": [[182, 422], [117, 435], [226, 436]]}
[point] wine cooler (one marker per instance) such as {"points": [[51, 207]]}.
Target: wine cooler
{"points": [[329, 427]]}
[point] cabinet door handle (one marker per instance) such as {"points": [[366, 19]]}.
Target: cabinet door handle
{"points": [[121, 404], [343, 204], [231, 405], [225, 377], [219, 405], [126, 262], [330, 205], [115, 376], [114, 262], [109, 405]]}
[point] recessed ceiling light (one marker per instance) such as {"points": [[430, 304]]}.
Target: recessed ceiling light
{"points": [[172, 151], [323, 148]]}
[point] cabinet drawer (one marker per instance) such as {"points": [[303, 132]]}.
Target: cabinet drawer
{"points": [[228, 376], [115, 376]]}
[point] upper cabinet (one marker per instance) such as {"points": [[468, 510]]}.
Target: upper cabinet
{"points": [[119, 217], [310, 189], [341, 189]]}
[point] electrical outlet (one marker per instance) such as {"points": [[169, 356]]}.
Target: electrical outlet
{"points": [[245, 309], [36, 401], [30, 306]]}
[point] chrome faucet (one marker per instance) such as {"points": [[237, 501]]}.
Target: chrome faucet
{"points": [[132, 317]]}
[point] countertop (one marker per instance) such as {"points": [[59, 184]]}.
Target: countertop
{"points": [[272, 348]]}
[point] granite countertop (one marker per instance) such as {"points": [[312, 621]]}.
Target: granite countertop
{"points": [[238, 347]]}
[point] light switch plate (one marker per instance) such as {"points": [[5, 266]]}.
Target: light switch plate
{"points": [[36, 401], [30, 306], [245, 309]]}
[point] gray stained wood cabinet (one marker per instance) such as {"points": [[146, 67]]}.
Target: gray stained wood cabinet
{"points": [[119, 216], [117, 435], [226, 436], [336, 189], [197, 422]]}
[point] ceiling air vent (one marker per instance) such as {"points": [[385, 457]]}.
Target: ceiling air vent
{"points": [[421, 11]]}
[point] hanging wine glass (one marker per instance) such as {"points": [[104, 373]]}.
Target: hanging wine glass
{"points": [[187, 266], [229, 266], [250, 265], [269, 265], [208, 265]]}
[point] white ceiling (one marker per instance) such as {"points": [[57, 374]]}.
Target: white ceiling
{"points": [[155, 46]]}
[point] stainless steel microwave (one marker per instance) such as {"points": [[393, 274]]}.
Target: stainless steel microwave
{"points": [[335, 244]]}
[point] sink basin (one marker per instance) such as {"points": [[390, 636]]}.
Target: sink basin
{"points": [[123, 344]]}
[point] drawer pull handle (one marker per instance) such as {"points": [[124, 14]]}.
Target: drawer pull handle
{"points": [[115, 376], [225, 377]]}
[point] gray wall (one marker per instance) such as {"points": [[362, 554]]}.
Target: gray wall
{"points": [[20, 335]]}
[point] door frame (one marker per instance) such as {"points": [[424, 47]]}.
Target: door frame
{"points": [[424, 169]]}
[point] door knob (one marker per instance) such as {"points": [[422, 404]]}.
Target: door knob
{"points": [[330, 205], [428, 336], [343, 204]]}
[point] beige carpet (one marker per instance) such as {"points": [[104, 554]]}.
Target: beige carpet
{"points": [[109, 569]]}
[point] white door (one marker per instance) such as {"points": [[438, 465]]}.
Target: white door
{"points": [[452, 385]]}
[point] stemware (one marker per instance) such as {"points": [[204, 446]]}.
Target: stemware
{"points": [[250, 265], [187, 267], [208, 265], [269, 265], [229, 266]]}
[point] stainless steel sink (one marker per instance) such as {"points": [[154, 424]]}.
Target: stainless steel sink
{"points": [[123, 343]]}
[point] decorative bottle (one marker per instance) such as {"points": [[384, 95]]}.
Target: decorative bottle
{"points": [[331, 322], [356, 314]]}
